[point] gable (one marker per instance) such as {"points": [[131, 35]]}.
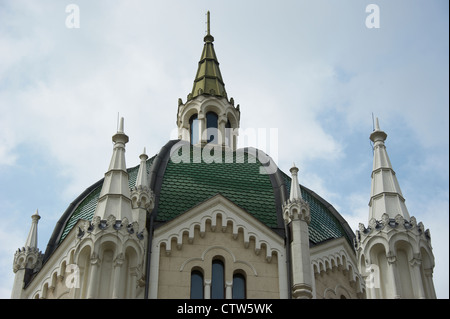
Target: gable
{"points": [[229, 213], [217, 228]]}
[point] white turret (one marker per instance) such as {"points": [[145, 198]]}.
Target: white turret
{"points": [[394, 252], [297, 217], [27, 259], [115, 237], [142, 197]]}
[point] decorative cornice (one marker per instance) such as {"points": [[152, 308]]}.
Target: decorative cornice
{"points": [[390, 226], [27, 258], [296, 209], [119, 227], [231, 216]]}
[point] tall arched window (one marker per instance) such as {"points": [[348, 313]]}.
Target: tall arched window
{"points": [[196, 284], [212, 121], [194, 129], [239, 286], [218, 280]]}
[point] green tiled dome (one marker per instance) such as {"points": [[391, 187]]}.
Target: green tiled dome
{"points": [[181, 186], [187, 184]]}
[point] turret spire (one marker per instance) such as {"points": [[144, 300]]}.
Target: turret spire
{"points": [[142, 198], [386, 196], [27, 259], [142, 179], [295, 193], [114, 197], [32, 235], [402, 265], [194, 123], [208, 79]]}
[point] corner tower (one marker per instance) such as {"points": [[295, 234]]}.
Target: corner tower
{"points": [[208, 116], [27, 260], [394, 252], [297, 216]]}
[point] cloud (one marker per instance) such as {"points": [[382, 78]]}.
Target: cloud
{"points": [[310, 69]]}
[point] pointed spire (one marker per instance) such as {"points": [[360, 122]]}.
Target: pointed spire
{"points": [[32, 235], [114, 197], [295, 193], [142, 179], [142, 197], [386, 196], [208, 79], [119, 139]]}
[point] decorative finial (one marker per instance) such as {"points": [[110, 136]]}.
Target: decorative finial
{"points": [[377, 124], [207, 24], [120, 130], [378, 134], [120, 136], [294, 169], [208, 37], [144, 155]]}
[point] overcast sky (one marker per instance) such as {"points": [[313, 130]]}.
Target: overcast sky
{"points": [[311, 69]]}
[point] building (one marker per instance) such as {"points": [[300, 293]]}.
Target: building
{"points": [[203, 219]]}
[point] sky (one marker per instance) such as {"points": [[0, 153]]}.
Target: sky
{"points": [[313, 71]]}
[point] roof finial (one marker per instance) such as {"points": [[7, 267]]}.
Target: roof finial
{"points": [[207, 24], [120, 130], [208, 37], [377, 124]]}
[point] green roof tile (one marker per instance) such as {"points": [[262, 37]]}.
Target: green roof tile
{"points": [[185, 185]]}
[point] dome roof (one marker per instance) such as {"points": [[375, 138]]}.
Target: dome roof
{"points": [[178, 187]]}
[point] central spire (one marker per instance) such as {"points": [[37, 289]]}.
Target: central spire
{"points": [[208, 80]]}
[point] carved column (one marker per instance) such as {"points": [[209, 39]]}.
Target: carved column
{"points": [[93, 276], [207, 291], [117, 288], [133, 282], [392, 268], [228, 290], [415, 272]]}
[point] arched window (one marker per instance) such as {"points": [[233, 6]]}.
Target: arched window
{"points": [[218, 280], [194, 129], [239, 286], [211, 126], [196, 284]]}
